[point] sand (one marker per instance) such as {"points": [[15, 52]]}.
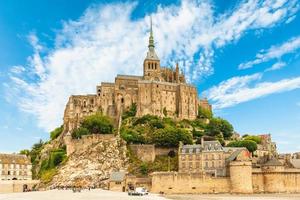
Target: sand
{"points": [[109, 195]]}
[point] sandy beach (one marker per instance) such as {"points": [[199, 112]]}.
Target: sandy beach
{"points": [[109, 195]]}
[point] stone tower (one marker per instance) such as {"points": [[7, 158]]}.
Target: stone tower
{"points": [[152, 62], [241, 177]]}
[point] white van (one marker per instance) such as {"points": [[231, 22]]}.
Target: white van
{"points": [[139, 191]]}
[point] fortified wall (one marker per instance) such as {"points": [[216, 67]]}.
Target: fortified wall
{"points": [[86, 141], [148, 152], [17, 185], [242, 179]]}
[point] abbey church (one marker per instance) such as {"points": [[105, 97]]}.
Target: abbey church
{"points": [[161, 91]]}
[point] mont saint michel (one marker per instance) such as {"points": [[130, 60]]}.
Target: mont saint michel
{"points": [[150, 100]]}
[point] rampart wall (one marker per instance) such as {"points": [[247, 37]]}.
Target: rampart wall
{"points": [[16, 185]]}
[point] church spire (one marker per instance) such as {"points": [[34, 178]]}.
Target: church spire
{"points": [[151, 39]]}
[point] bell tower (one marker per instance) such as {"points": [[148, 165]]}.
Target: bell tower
{"points": [[151, 62]]}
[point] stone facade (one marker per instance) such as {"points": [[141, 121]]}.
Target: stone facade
{"points": [[161, 91], [205, 158], [15, 167]]}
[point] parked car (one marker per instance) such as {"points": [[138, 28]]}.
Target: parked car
{"points": [[139, 191]]}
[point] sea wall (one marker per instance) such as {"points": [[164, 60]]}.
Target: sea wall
{"points": [[188, 183], [17, 185]]}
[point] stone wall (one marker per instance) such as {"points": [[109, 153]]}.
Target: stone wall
{"points": [[16, 185], [144, 152], [188, 183], [148, 152], [242, 180], [287, 181], [86, 141]]}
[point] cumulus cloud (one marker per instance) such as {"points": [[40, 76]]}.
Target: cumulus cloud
{"points": [[275, 52], [105, 41], [245, 88]]}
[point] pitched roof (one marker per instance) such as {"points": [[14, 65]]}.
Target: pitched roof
{"points": [[273, 162], [234, 155], [117, 176], [14, 159], [295, 163]]}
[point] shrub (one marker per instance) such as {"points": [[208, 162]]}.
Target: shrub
{"points": [[170, 137], [131, 112], [249, 144], [79, 132], [98, 124], [254, 138], [56, 132], [218, 126], [132, 136], [204, 113]]}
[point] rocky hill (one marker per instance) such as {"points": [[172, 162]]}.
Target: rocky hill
{"points": [[92, 166]]}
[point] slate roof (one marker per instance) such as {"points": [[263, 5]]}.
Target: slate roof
{"points": [[296, 163], [14, 159], [117, 176], [273, 162], [235, 154]]}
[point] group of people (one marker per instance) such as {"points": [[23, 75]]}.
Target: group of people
{"points": [[73, 188]]}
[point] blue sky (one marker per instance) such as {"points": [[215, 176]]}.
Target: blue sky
{"points": [[244, 56]]}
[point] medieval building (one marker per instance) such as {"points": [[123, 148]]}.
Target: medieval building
{"points": [[161, 91]]}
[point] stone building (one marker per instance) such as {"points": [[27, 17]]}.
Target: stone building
{"points": [[207, 157], [160, 91], [15, 167]]}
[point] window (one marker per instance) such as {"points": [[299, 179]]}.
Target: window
{"points": [[148, 65], [213, 164], [197, 164], [183, 165], [206, 164], [118, 183]]}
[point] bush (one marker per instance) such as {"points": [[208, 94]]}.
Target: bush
{"points": [[254, 138], [144, 169], [79, 132], [56, 132], [204, 113], [131, 112], [132, 136], [98, 124], [249, 144], [218, 126], [170, 137]]}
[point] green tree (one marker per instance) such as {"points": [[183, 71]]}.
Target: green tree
{"points": [[249, 144], [254, 138], [98, 124], [56, 132], [25, 152], [170, 137], [204, 113], [218, 126]]}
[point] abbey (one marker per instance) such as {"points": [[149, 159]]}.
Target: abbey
{"points": [[161, 91]]}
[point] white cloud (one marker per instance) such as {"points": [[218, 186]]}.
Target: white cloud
{"points": [[18, 69], [275, 52], [104, 41], [276, 66], [245, 88]]}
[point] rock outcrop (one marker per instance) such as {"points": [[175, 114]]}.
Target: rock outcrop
{"points": [[92, 166]]}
